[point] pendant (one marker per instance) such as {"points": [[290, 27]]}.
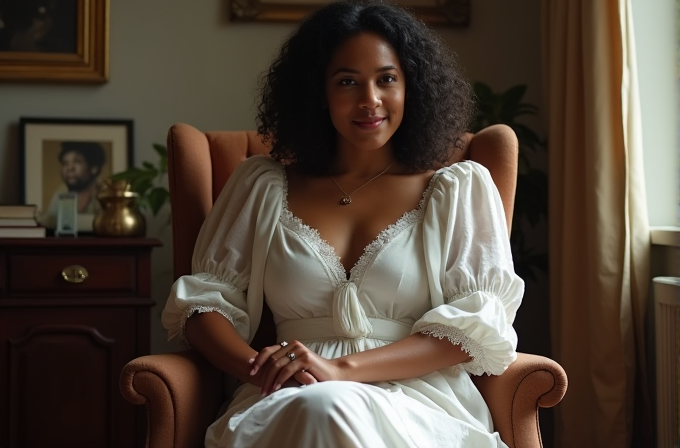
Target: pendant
{"points": [[346, 200]]}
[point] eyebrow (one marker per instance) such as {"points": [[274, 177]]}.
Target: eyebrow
{"points": [[351, 70]]}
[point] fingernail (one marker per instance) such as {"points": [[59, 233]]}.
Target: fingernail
{"points": [[251, 360], [253, 371], [277, 387]]}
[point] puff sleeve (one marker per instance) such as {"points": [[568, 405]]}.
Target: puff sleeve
{"points": [[230, 252], [475, 291]]}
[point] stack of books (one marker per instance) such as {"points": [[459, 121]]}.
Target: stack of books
{"points": [[19, 221]]}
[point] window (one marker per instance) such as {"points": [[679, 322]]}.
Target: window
{"points": [[658, 52]]}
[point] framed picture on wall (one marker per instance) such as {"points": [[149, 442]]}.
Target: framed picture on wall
{"points": [[54, 40], [448, 13], [71, 156]]}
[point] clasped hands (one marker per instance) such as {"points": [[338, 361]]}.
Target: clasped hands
{"points": [[291, 364]]}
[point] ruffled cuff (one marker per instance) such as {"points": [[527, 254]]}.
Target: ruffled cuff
{"points": [[204, 293], [200, 309], [477, 365], [477, 323]]}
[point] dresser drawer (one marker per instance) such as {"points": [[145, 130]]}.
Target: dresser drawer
{"points": [[106, 275]]}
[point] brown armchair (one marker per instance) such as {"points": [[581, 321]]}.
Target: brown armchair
{"points": [[183, 392]]}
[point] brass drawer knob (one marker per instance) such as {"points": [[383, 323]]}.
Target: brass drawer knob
{"points": [[74, 274]]}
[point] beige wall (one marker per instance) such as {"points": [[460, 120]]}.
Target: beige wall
{"points": [[180, 61]]}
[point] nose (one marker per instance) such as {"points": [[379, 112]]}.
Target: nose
{"points": [[370, 98]]}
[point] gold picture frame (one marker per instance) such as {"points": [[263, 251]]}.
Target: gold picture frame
{"points": [[449, 13], [63, 41]]}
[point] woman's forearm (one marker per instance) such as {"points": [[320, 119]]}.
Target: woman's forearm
{"points": [[414, 356], [214, 337]]}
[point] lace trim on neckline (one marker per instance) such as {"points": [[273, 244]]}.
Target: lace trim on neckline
{"points": [[327, 252], [314, 239]]}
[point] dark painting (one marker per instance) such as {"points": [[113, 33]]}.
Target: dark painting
{"points": [[39, 26]]}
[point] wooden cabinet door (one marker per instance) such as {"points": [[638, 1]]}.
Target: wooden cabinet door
{"points": [[63, 367]]}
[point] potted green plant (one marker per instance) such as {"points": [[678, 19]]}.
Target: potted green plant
{"points": [[148, 181], [531, 199]]}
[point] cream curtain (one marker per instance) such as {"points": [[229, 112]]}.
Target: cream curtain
{"points": [[599, 235]]}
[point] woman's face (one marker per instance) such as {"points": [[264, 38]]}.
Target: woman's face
{"points": [[365, 90]]}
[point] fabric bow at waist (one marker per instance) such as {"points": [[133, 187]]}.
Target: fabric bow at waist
{"points": [[348, 321], [349, 318]]}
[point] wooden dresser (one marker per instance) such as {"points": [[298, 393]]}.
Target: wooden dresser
{"points": [[73, 312]]}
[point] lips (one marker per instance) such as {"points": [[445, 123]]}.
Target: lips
{"points": [[369, 122]]}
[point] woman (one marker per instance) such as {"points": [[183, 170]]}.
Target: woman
{"points": [[390, 283]]}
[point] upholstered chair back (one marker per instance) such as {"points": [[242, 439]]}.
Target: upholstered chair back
{"points": [[199, 164]]}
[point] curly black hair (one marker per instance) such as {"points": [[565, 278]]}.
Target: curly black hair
{"points": [[292, 112], [92, 152]]}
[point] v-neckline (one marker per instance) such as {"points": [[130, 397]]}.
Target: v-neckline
{"points": [[327, 251]]}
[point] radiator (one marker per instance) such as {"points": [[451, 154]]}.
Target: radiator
{"points": [[667, 323]]}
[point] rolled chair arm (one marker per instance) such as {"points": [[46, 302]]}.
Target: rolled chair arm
{"points": [[532, 381], [182, 393]]}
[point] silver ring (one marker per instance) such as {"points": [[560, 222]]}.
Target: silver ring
{"points": [[283, 344], [291, 356]]}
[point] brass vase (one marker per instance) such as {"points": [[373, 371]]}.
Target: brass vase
{"points": [[119, 215]]}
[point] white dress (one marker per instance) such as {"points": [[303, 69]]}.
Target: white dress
{"points": [[443, 269]]}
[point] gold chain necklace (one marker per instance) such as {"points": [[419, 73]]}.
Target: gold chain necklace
{"points": [[346, 199]]}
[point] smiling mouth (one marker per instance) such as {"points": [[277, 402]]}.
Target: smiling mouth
{"points": [[369, 124]]}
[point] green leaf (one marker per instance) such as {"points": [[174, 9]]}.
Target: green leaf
{"points": [[162, 166], [526, 109], [511, 105], [161, 150], [514, 94], [156, 198], [483, 92], [148, 166], [140, 185], [147, 181]]}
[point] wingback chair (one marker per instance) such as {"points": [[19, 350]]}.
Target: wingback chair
{"points": [[183, 392]]}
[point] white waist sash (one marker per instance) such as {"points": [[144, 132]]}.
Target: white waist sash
{"points": [[319, 328]]}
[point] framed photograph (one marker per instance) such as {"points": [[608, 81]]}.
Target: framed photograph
{"points": [[450, 13], [71, 156], [54, 40]]}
